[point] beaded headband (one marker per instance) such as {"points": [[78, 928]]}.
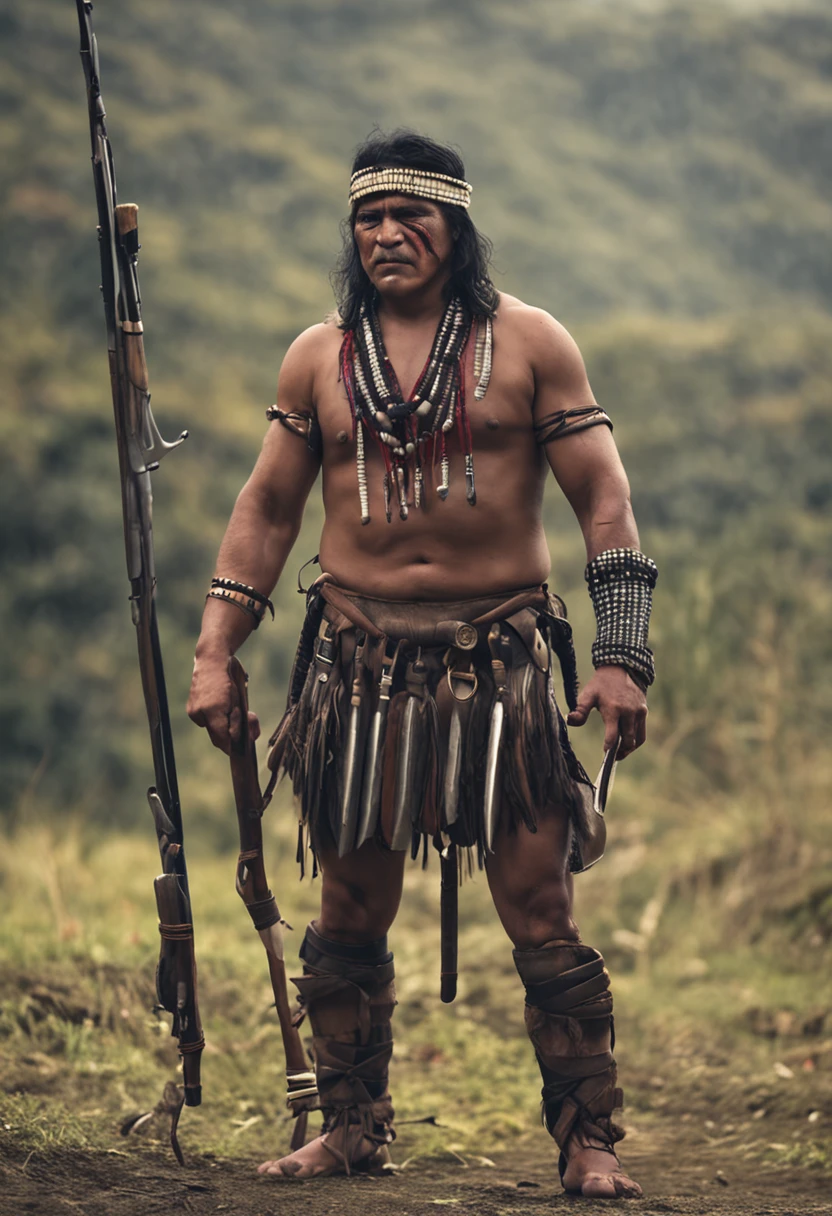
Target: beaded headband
{"points": [[438, 187]]}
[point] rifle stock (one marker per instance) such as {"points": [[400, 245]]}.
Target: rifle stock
{"points": [[253, 888], [140, 448]]}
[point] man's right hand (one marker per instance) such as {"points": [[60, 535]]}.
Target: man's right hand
{"points": [[214, 703]]}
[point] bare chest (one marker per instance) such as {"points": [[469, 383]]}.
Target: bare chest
{"points": [[504, 414]]}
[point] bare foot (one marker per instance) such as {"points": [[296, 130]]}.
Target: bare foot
{"points": [[596, 1174], [328, 1154]]}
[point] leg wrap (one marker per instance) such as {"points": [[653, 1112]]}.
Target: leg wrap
{"points": [[349, 996], [569, 1020]]}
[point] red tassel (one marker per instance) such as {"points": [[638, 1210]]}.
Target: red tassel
{"points": [[347, 374], [463, 422]]}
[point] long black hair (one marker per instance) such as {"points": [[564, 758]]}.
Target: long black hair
{"points": [[470, 278]]}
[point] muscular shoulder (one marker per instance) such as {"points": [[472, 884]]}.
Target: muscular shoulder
{"points": [[311, 351], [550, 351], [547, 344]]}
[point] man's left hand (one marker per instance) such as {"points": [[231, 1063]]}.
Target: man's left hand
{"points": [[622, 705]]}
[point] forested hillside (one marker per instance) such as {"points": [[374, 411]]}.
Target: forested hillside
{"points": [[658, 176]]}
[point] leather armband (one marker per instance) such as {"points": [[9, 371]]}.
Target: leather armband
{"points": [[300, 423], [568, 422]]}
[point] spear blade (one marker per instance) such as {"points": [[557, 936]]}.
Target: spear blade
{"points": [[452, 767], [402, 832], [352, 765], [491, 809], [371, 801]]}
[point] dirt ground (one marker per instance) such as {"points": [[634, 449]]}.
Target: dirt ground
{"points": [[727, 1069], [680, 1175]]}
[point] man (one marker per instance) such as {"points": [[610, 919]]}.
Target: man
{"points": [[421, 705]]}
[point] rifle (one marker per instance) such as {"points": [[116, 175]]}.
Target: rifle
{"points": [[253, 888], [140, 449]]}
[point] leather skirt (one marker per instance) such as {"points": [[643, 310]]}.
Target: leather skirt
{"points": [[418, 722]]}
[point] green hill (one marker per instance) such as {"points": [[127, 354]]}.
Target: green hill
{"points": [[673, 159], [658, 176]]}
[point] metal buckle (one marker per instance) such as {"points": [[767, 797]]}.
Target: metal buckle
{"points": [[468, 677]]}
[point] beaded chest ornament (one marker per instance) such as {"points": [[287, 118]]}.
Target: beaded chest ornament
{"points": [[412, 435]]}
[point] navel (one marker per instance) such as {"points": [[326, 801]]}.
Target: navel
{"points": [[342, 436]]}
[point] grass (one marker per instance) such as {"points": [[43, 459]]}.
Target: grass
{"points": [[721, 1015]]}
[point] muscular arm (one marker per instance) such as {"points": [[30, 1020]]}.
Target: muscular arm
{"points": [[261, 532], [586, 464], [589, 471]]}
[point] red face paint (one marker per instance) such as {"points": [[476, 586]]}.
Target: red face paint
{"points": [[422, 235]]}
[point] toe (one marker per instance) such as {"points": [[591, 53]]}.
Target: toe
{"points": [[599, 1186], [626, 1188], [610, 1186], [285, 1168]]}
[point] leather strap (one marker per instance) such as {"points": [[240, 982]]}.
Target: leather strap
{"points": [[335, 596]]}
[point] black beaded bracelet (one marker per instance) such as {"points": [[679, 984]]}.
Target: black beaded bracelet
{"points": [[621, 583]]}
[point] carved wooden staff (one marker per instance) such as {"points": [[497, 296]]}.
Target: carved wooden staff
{"points": [[253, 888], [140, 448]]}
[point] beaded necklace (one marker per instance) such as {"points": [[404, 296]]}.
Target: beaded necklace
{"points": [[412, 434]]}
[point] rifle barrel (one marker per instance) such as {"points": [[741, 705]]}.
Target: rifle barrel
{"points": [[140, 448]]}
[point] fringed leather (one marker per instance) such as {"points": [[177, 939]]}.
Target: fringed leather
{"points": [[424, 807], [318, 739], [537, 766]]}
